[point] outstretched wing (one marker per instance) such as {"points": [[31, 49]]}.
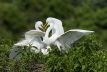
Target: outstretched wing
{"points": [[15, 53], [30, 35], [72, 35]]}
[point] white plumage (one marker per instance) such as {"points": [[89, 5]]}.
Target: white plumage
{"points": [[32, 37], [70, 37], [59, 38]]}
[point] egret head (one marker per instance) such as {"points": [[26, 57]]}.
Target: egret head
{"points": [[50, 21], [38, 24]]}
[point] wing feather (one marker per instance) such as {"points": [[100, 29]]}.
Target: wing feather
{"points": [[30, 35], [72, 35]]}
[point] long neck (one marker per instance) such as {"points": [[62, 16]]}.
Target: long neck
{"points": [[37, 28], [47, 32]]}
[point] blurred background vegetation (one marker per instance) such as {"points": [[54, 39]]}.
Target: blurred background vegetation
{"points": [[19, 16]]}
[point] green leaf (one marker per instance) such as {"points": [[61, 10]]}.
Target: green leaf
{"points": [[83, 67]]}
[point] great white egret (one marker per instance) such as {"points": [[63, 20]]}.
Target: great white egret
{"points": [[62, 41], [58, 37], [31, 37]]}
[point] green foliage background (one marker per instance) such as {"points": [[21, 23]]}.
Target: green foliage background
{"points": [[19, 16], [86, 56]]}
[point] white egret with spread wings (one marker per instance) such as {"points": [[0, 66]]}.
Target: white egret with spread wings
{"points": [[59, 38]]}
